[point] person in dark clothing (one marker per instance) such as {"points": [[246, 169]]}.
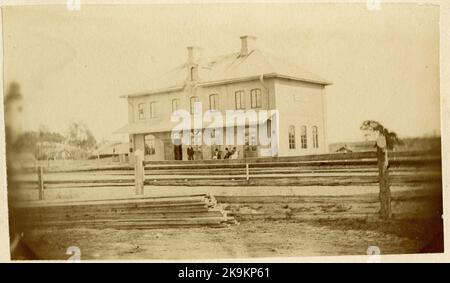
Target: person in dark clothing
{"points": [[190, 152], [234, 153], [227, 153], [215, 154]]}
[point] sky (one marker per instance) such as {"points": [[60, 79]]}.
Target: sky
{"points": [[74, 65]]}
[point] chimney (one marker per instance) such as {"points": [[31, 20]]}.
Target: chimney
{"points": [[190, 58], [246, 45]]}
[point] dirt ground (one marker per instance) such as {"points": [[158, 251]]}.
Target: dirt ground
{"points": [[250, 239], [269, 226]]}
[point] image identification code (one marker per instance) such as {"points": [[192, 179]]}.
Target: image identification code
{"points": [[226, 272]]}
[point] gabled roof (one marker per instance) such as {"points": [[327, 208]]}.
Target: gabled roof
{"points": [[230, 68]]}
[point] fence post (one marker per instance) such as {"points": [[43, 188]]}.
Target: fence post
{"points": [[383, 174], [247, 173], [41, 183], [139, 174]]}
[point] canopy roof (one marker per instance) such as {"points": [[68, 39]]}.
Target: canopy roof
{"points": [[167, 126]]}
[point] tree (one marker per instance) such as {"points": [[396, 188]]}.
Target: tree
{"points": [[39, 142], [79, 135], [386, 141], [391, 137]]}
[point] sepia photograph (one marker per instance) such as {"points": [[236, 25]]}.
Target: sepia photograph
{"points": [[222, 130]]}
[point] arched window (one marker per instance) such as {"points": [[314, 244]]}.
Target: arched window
{"points": [[153, 109], [141, 111], [255, 98], [304, 137], [239, 99], [175, 104], [193, 101], [291, 137], [214, 102], [315, 137]]}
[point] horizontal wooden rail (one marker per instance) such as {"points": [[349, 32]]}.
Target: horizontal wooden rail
{"points": [[314, 157], [338, 170]]}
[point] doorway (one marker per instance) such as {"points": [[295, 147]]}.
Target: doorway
{"points": [[178, 152], [250, 147]]}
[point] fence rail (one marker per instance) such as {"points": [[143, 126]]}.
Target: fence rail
{"points": [[313, 170]]}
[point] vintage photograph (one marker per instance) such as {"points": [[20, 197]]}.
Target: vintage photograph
{"points": [[222, 131]]}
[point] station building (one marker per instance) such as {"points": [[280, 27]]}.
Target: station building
{"points": [[247, 79]]}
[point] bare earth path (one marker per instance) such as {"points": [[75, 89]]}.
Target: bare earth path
{"points": [[247, 240]]}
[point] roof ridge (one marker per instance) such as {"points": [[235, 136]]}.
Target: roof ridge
{"points": [[231, 66]]}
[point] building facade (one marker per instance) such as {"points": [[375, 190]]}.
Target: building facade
{"points": [[246, 80]]}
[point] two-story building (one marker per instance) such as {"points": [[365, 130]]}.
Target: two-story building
{"points": [[245, 80]]}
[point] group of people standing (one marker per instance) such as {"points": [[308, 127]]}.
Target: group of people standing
{"points": [[229, 154], [217, 154]]}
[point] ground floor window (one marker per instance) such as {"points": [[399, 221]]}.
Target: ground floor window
{"points": [[291, 137], [196, 137], [304, 137], [315, 137]]}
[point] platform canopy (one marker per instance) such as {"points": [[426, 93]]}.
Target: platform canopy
{"points": [[167, 126]]}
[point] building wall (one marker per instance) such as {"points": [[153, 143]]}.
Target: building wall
{"points": [[300, 104], [164, 149], [226, 101], [227, 95]]}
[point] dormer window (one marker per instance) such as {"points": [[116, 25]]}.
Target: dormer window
{"points": [[193, 73]]}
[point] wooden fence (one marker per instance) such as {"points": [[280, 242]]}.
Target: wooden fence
{"points": [[341, 169]]}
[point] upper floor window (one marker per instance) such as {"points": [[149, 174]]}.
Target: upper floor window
{"points": [[315, 135], [291, 137], [255, 97], [193, 101], [141, 111], [175, 104], [213, 102], [304, 137], [153, 109], [240, 99]]}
